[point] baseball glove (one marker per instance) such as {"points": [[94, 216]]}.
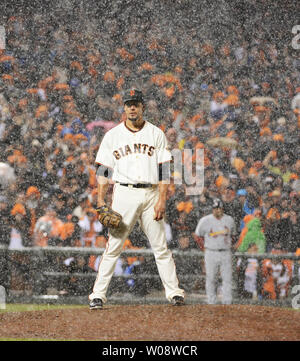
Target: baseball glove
{"points": [[108, 217]]}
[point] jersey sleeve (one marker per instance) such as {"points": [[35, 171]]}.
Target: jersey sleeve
{"points": [[163, 151], [200, 229], [104, 155]]}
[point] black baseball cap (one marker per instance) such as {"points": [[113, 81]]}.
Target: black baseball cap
{"points": [[133, 95], [217, 203]]}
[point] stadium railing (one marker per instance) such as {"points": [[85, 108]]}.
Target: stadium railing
{"points": [[43, 267]]}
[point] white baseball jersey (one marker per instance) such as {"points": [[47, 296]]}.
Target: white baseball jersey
{"points": [[216, 232], [134, 156]]}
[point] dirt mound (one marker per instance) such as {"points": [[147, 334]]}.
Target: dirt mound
{"points": [[155, 323]]}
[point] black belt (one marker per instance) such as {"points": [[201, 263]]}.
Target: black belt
{"points": [[218, 250], [138, 185]]}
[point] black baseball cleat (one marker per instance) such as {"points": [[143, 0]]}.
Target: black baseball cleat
{"points": [[96, 304], [178, 301]]}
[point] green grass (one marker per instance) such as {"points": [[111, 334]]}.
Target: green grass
{"points": [[19, 307], [28, 339], [36, 339]]}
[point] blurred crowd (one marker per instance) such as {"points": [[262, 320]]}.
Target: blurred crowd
{"points": [[61, 89]]}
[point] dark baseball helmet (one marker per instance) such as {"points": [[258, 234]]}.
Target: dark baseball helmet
{"points": [[133, 95], [217, 203]]}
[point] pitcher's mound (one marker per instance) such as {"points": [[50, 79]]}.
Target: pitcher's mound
{"points": [[155, 323]]}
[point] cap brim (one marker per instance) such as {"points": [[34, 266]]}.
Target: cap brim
{"points": [[134, 100]]}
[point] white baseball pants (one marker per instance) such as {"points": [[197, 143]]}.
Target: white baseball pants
{"points": [[215, 260], [134, 204]]}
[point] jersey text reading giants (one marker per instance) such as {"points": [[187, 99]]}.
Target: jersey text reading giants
{"points": [[134, 156], [135, 148]]}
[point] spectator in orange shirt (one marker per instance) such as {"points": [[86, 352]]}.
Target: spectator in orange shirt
{"points": [[33, 207], [20, 269], [20, 236], [47, 230], [277, 275], [90, 227]]}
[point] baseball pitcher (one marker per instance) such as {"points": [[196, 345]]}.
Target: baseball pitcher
{"points": [[132, 154]]}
